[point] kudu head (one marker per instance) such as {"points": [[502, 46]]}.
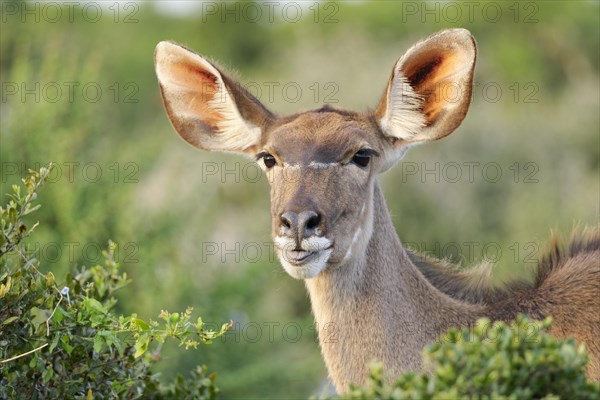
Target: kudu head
{"points": [[322, 164]]}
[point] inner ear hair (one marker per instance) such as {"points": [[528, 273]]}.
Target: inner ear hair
{"points": [[429, 92], [207, 108]]}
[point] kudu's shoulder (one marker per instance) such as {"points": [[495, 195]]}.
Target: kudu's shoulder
{"points": [[579, 255], [567, 263], [474, 285]]}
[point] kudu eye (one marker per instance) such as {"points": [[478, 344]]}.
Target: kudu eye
{"points": [[362, 158], [268, 159]]}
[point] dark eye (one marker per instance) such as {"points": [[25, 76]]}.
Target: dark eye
{"points": [[268, 159], [362, 158]]}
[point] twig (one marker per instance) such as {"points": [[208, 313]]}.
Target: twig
{"points": [[53, 311], [24, 354]]}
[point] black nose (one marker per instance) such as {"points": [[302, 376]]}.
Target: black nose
{"points": [[301, 225]]}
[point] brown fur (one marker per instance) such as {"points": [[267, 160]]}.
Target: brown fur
{"points": [[567, 288], [474, 285], [372, 299], [568, 274]]}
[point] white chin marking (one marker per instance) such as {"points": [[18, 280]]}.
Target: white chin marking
{"points": [[308, 269], [308, 262]]}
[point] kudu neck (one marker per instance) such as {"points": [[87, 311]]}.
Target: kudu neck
{"points": [[379, 306], [383, 266]]}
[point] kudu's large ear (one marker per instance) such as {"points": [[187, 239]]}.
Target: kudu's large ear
{"points": [[207, 108], [429, 91]]}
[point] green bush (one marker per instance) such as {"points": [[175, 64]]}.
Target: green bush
{"points": [[65, 341], [491, 361], [156, 191]]}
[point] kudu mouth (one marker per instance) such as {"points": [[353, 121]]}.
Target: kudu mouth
{"points": [[305, 259], [301, 257], [299, 253]]}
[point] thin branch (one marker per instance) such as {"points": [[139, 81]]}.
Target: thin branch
{"points": [[24, 354], [53, 311]]}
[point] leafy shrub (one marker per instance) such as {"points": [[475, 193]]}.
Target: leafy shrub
{"points": [[496, 360], [68, 342]]}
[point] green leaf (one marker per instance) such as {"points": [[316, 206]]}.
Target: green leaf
{"points": [[141, 345], [54, 342], [48, 374], [31, 209], [98, 343], [9, 320], [140, 324], [65, 344], [94, 305], [58, 315]]}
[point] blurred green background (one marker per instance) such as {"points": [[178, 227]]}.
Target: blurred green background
{"points": [[78, 89]]}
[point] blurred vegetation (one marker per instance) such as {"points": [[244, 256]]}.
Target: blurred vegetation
{"points": [[122, 173], [68, 343], [519, 361]]}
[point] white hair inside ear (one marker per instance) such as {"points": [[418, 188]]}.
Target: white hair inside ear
{"points": [[402, 118], [429, 91], [200, 105]]}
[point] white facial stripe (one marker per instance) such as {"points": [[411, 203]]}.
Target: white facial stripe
{"points": [[291, 166], [354, 239], [314, 164], [356, 234]]}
